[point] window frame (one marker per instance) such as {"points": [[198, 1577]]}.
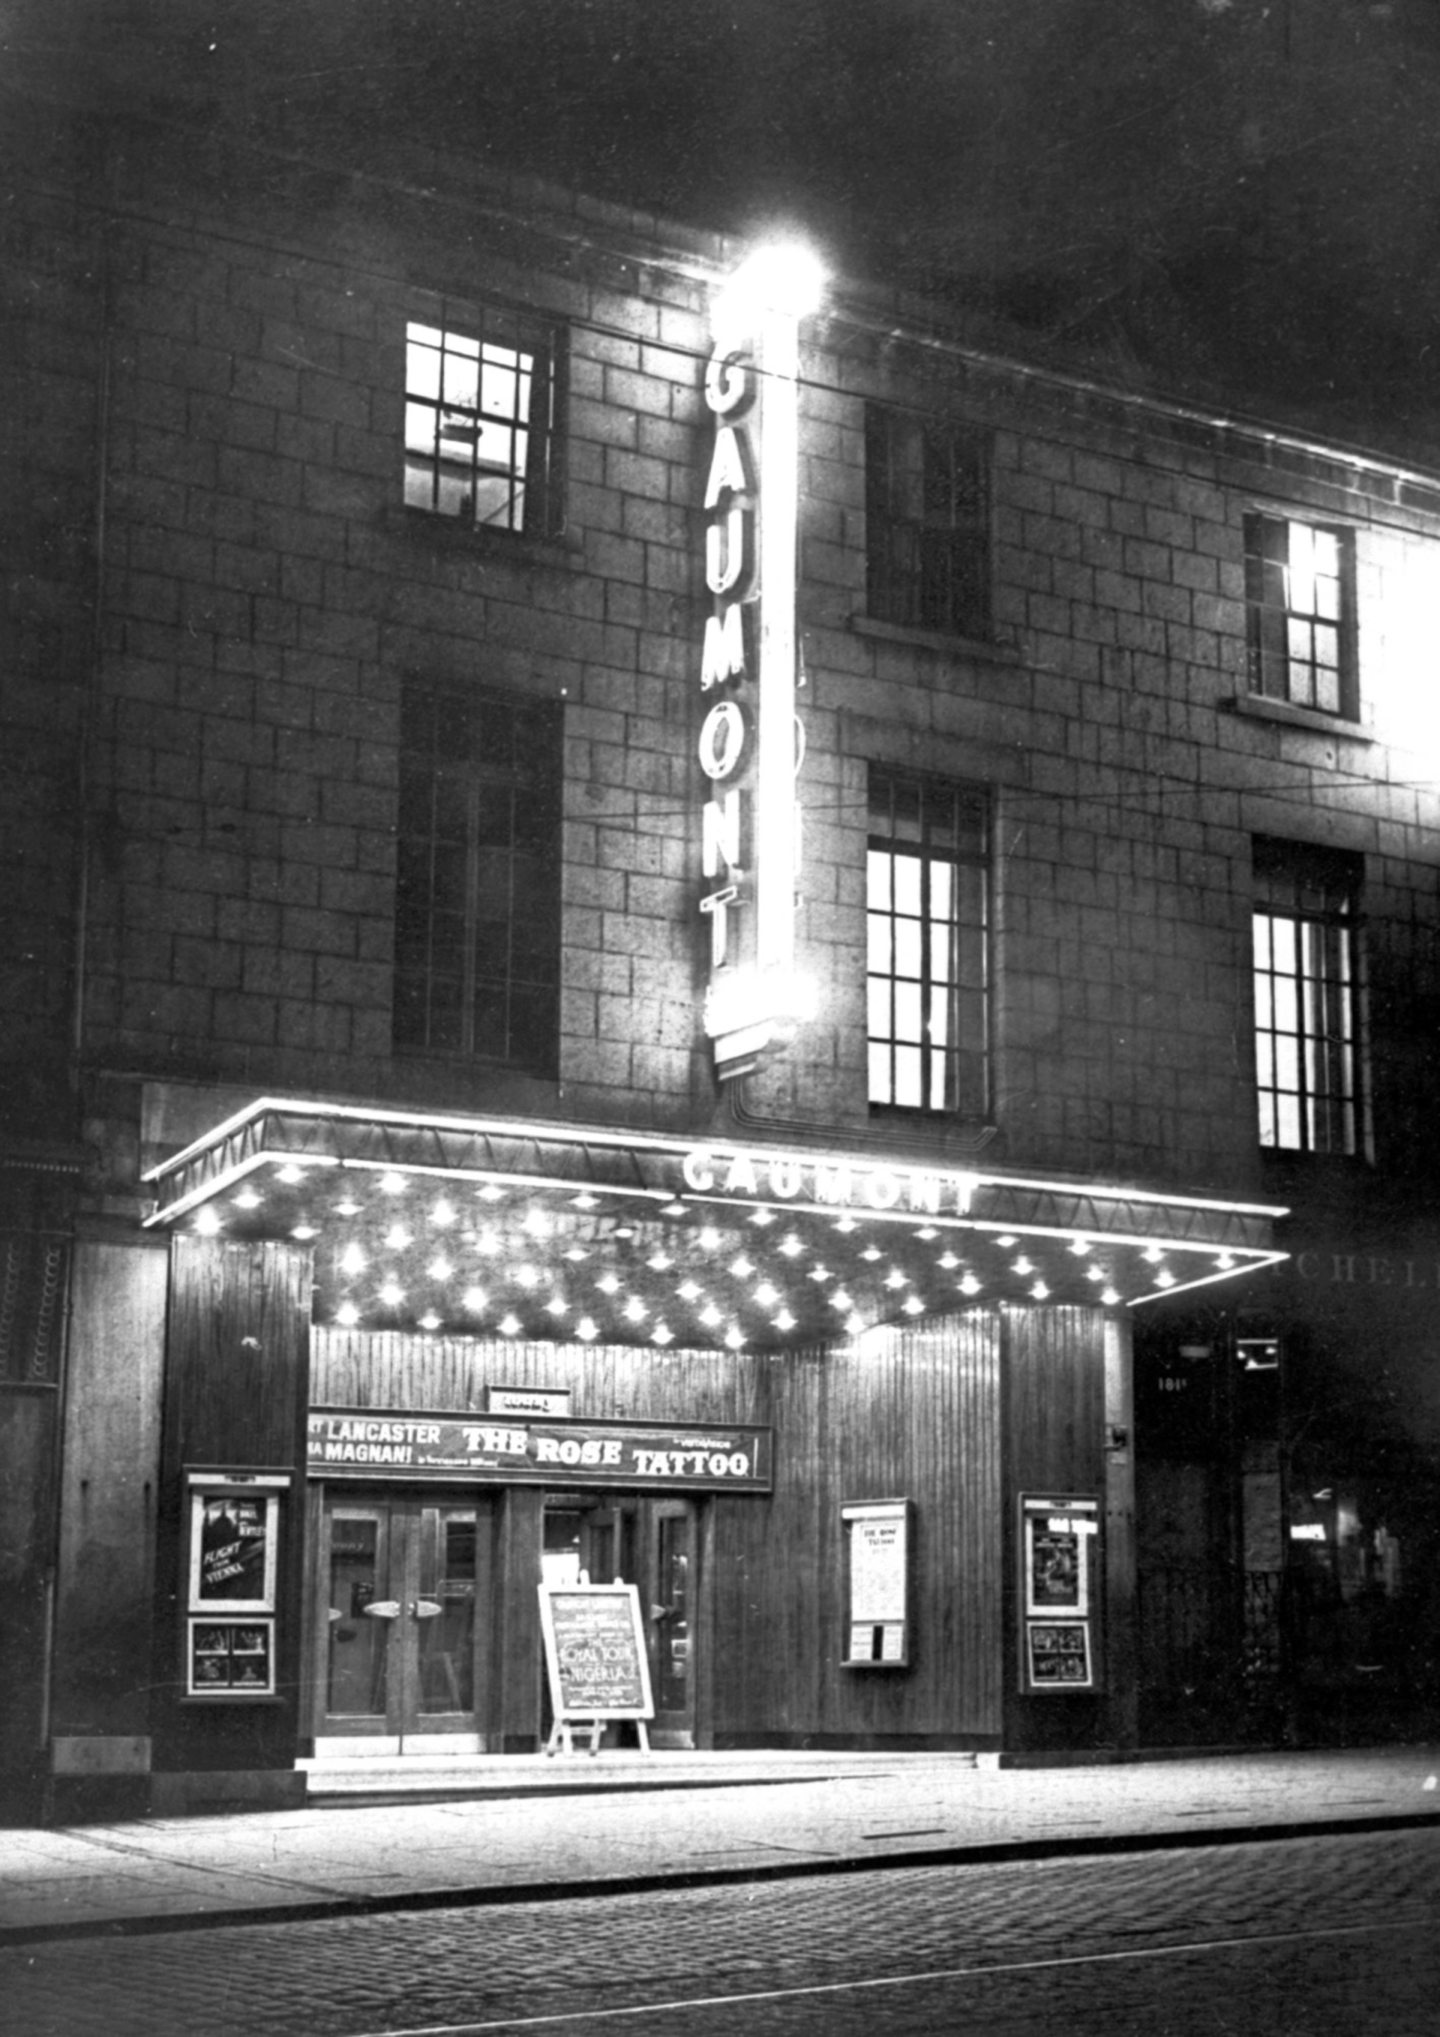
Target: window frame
{"points": [[527, 490], [955, 1075], [450, 848], [1275, 627], [1307, 974], [929, 567]]}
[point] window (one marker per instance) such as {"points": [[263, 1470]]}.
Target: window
{"points": [[927, 898], [477, 932], [480, 422], [1299, 592], [1306, 935], [927, 511]]}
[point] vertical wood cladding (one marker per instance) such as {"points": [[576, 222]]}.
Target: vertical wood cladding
{"points": [[237, 1354], [1054, 1439], [912, 1414], [110, 1477], [236, 1366], [27, 1474]]}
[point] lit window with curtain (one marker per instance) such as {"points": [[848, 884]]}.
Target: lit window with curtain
{"points": [[928, 932], [477, 923], [1307, 1032]]}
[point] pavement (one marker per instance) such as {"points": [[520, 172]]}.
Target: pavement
{"points": [[528, 1828]]}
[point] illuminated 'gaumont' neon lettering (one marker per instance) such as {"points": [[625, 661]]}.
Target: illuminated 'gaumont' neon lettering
{"points": [[786, 1177], [726, 746]]}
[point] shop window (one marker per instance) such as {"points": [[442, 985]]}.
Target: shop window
{"points": [[1306, 960], [1299, 592], [927, 911], [927, 520], [477, 924], [480, 422]]}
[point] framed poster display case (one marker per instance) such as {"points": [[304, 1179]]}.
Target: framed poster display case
{"points": [[1059, 1554], [877, 1600], [233, 1524]]}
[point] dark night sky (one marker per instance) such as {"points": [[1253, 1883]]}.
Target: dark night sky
{"points": [[1242, 195]]}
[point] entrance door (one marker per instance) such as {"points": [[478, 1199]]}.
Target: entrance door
{"points": [[396, 1630], [670, 1578], [652, 1544]]}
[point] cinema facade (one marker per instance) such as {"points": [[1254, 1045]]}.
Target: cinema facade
{"points": [[665, 989], [866, 1420]]}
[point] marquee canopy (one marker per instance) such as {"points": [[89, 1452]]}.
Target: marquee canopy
{"points": [[476, 1226]]}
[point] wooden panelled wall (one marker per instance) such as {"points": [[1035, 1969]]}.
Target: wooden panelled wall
{"points": [[1054, 1375], [236, 1359], [911, 1414]]}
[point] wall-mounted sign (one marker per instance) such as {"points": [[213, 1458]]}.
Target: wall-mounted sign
{"points": [[527, 1400], [826, 1183], [1059, 1538], [1057, 1654], [596, 1660], [1057, 1572], [232, 1560], [748, 747], [233, 1541], [524, 1450], [877, 1627], [230, 1658]]}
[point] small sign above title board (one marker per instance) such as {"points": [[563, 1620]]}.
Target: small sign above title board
{"points": [[546, 1401]]}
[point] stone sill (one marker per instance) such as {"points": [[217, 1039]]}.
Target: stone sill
{"points": [[1258, 708], [977, 650]]}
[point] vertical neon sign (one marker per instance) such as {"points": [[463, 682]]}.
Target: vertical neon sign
{"points": [[748, 662]]}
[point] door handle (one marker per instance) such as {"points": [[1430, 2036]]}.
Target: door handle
{"points": [[425, 1608], [383, 1609]]}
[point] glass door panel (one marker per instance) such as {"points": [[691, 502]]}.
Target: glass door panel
{"points": [[397, 1622], [672, 1545], [443, 1611], [358, 1617]]}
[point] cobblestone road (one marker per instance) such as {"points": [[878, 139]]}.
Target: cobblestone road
{"points": [[1339, 1935]]}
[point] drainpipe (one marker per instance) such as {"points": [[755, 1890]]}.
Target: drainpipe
{"points": [[85, 724]]}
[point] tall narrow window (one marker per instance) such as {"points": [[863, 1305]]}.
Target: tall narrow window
{"points": [[1307, 1047], [927, 516], [927, 897], [477, 923], [1299, 592], [480, 422]]}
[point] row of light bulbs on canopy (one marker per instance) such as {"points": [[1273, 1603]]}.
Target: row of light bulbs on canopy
{"points": [[506, 1290]]}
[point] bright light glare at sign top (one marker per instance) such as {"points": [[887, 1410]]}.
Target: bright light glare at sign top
{"points": [[781, 275]]}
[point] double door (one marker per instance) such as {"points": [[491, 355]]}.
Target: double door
{"points": [[406, 1594], [652, 1544], [397, 1637]]}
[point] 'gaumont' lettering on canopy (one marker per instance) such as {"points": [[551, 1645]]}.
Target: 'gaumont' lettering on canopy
{"points": [[784, 1177]]}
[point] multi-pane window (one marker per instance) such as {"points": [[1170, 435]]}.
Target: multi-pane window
{"points": [[477, 923], [1307, 1045], [927, 516], [1299, 593], [480, 422], [927, 913]]}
